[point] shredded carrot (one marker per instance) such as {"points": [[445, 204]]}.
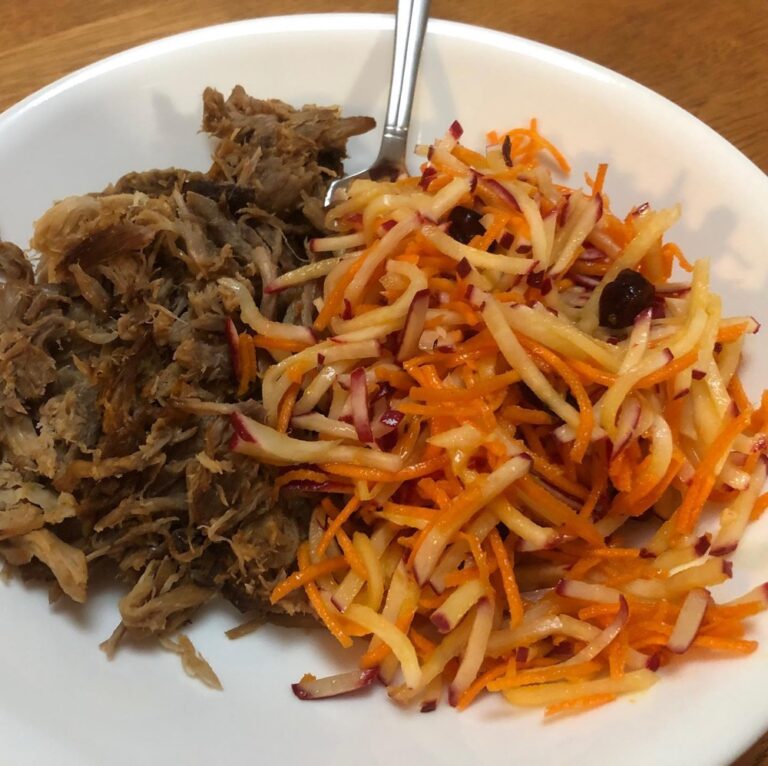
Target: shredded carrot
{"points": [[717, 612], [427, 601], [509, 582], [617, 655], [580, 569], [306, 574], [668, 371], [313, 594], [559, 511], [675, 252], [335, 300], [478, 554], [469, 157], [581, 703], [759, 508], [597, 185], [586, 421], [424, 647], [285, 411], [396, 378], [599, 478], [460, 576], [415, 471], [542, 675], [537, 143], [373, 657], [351, 556], [731, 332], [518, 414], [593, 374], [736, 390], [330, 532], [496, 383], [480, 683], [555, 475], [725, 644], [704, 479]]}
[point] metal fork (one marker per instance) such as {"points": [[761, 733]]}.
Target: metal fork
{"points": [[410, 25]]}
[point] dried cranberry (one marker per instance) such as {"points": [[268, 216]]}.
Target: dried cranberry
{"points": [[624, 298], [465, 224]]}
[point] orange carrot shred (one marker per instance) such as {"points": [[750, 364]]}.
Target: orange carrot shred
{"points": [[581, 703], [334, 302], [704, 479], [330, 532], [285, 411], [306, 574]]}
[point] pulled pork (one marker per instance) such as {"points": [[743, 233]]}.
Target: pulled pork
{"points": [[115, 375]]}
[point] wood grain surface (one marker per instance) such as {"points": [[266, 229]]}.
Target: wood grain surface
{"points": [[708, 56]]}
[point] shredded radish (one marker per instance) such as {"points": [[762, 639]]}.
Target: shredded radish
{"points": [[311, 688], [688, 620]]}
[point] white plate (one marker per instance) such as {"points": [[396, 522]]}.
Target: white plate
{"points": [[61, 702]]}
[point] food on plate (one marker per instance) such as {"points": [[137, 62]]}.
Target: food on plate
{"points": [[509, 418], [116, 376]]}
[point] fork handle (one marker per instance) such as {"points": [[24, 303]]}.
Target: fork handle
{"points": [[410, 26]]}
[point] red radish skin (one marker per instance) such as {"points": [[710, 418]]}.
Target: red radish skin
{"points": [[500, 191], [240, 426], [358, 394], [455, 130], [476, 297], [464, 268], [605, 637], [427, 177], [440, 622], [591, 254], [506, 151], [414, 324], [724, 550], [689, 620], [702, 545], [310, 688]]}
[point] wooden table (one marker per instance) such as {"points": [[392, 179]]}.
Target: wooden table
{"points": [[710, 57]]}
